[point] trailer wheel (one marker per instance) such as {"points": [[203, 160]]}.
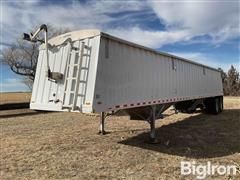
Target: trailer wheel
{"points": [[212, 105], [208, 105], [220, 104], [216, 106]]}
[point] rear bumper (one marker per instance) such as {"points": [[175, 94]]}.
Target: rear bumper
{"points": [[58, 107], [46, 107]]}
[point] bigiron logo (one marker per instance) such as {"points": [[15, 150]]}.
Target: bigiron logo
{"points": [[201, 171]]}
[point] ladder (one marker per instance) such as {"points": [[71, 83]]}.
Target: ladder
{"points": [[73, 74]]}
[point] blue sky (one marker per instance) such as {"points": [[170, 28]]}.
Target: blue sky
{"points": [[203, 31]]}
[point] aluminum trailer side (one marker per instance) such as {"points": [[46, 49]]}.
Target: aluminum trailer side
{"points": [[129, 75], [96, 72]]}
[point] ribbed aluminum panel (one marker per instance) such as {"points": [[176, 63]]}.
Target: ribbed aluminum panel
{"points": [[128, 75]]}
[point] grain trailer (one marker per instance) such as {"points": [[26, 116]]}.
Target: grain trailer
{"points": [[90, 71]]}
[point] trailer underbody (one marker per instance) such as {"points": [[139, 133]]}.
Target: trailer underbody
{"points": [[212, 105]]}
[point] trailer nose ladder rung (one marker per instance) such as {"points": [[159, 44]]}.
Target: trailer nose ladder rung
{"points": [[71, 78], [87, 47], [70, 95]]}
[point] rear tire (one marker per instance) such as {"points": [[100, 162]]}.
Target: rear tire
{"points": [[220, 104], [216, 106], [208, 105], [213, 105]]}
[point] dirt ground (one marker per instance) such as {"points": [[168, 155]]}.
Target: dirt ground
{"points": [[38, 145], [14, 97]]}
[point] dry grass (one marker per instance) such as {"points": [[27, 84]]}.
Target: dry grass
{"points": [[67, 146], [14, 97]]}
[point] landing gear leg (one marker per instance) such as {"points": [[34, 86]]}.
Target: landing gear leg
{"points": [[152, 125], [102, 119]]}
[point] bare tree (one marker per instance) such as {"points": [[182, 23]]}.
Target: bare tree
{"points": [[224, 81], [21, 57], [233, 82]]}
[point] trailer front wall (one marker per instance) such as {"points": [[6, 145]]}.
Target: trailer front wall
{"points": [[50, 95], [130, 76], [43, 89]]}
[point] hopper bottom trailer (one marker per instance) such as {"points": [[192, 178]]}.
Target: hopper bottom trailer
{"points": [[90, 71]]}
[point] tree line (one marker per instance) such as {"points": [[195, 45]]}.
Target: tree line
{"points": [[231, 82]]}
